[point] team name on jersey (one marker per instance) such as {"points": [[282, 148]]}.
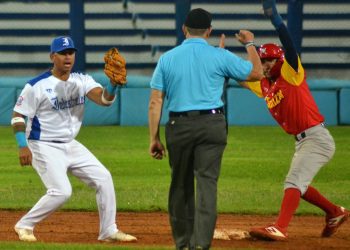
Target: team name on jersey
{"points": [[274, 100], [64, 104]]}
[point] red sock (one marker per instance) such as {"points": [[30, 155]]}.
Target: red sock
{"points": [[289, 205], [315, 198]]}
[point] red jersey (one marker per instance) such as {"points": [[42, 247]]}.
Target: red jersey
{"points": [[289, 100]]}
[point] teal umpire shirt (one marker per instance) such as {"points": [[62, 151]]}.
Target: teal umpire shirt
{"points": [[192, 74]]}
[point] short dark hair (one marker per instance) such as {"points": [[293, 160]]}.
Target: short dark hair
{"points": [[198, 19]]}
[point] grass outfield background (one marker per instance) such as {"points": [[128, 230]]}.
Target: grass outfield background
{"points": [[255, 163]]}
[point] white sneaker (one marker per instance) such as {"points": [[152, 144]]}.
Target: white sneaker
{"points": [[120, 236], [25, 234]]}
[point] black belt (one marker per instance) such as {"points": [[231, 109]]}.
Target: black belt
{"points": [[196, 112], [302, 135]]}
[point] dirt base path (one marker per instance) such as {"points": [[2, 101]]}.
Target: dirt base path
{"points": [[152, 229]]}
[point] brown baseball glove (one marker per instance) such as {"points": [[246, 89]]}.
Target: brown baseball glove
{"points": [[115, 66]]}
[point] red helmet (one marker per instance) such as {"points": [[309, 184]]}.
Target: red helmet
{"points": [[272, 51]]}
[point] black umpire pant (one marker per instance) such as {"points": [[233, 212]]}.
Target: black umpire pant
{"points": [[195, 145]]}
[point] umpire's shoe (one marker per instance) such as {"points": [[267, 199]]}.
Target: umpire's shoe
{"points": [[25, 234], [333, 223], [120, 236]]}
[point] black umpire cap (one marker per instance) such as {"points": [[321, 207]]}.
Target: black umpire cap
{"points": [[198, 19]]}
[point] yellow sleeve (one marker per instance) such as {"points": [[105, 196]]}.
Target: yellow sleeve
{"points": [[254, 87], [290, 75]]}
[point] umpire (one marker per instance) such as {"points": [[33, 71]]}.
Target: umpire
{"points": [[191, 76]]}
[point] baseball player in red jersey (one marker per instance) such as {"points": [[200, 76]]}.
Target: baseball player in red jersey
{"points": [[291, 104]]}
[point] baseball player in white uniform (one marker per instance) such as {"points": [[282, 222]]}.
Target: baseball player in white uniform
{"points": [[53, 104]]}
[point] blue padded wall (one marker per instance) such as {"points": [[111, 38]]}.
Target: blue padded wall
{"points": [[344, 106], [7, 102], [327, 103], [245, 108], [134, 107], [100, 115]]}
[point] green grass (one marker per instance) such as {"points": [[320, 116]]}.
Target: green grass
{"points": [[65, 246], [255, 164]]}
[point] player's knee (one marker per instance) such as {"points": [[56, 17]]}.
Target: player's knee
{"points": [[106, 176], [301, 188], [63, 194], [104, 181]]}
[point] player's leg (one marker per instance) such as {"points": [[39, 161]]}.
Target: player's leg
{"points": [[290, 202], [311, 154], [50, 163], [335, 215], [181, 193], [87, 168], [210, 144]]}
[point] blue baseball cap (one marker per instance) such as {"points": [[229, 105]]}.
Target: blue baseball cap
{"points": [[61, 43]]}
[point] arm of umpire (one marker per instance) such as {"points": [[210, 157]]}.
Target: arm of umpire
{"points": [[156, 148], [246, 38]]}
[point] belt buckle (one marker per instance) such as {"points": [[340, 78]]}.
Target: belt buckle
{"points": [[300, 136]]}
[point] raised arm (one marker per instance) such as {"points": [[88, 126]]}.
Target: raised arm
{"points": [[247, 39], [291, 55]]}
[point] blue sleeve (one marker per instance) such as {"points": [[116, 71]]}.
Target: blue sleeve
{"points": [[236, 67], [291, 54], [157, 81]]}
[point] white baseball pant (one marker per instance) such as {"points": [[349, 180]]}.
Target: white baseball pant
{"points": [[52, 161]]}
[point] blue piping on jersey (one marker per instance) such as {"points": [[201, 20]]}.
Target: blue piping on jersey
{"points": [[44, 75], [35, 130]]}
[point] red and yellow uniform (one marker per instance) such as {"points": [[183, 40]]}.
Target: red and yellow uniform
{"points": [[289, 99], [290, 102]]}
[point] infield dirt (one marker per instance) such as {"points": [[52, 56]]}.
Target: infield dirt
{"points": [[152, 229]]}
